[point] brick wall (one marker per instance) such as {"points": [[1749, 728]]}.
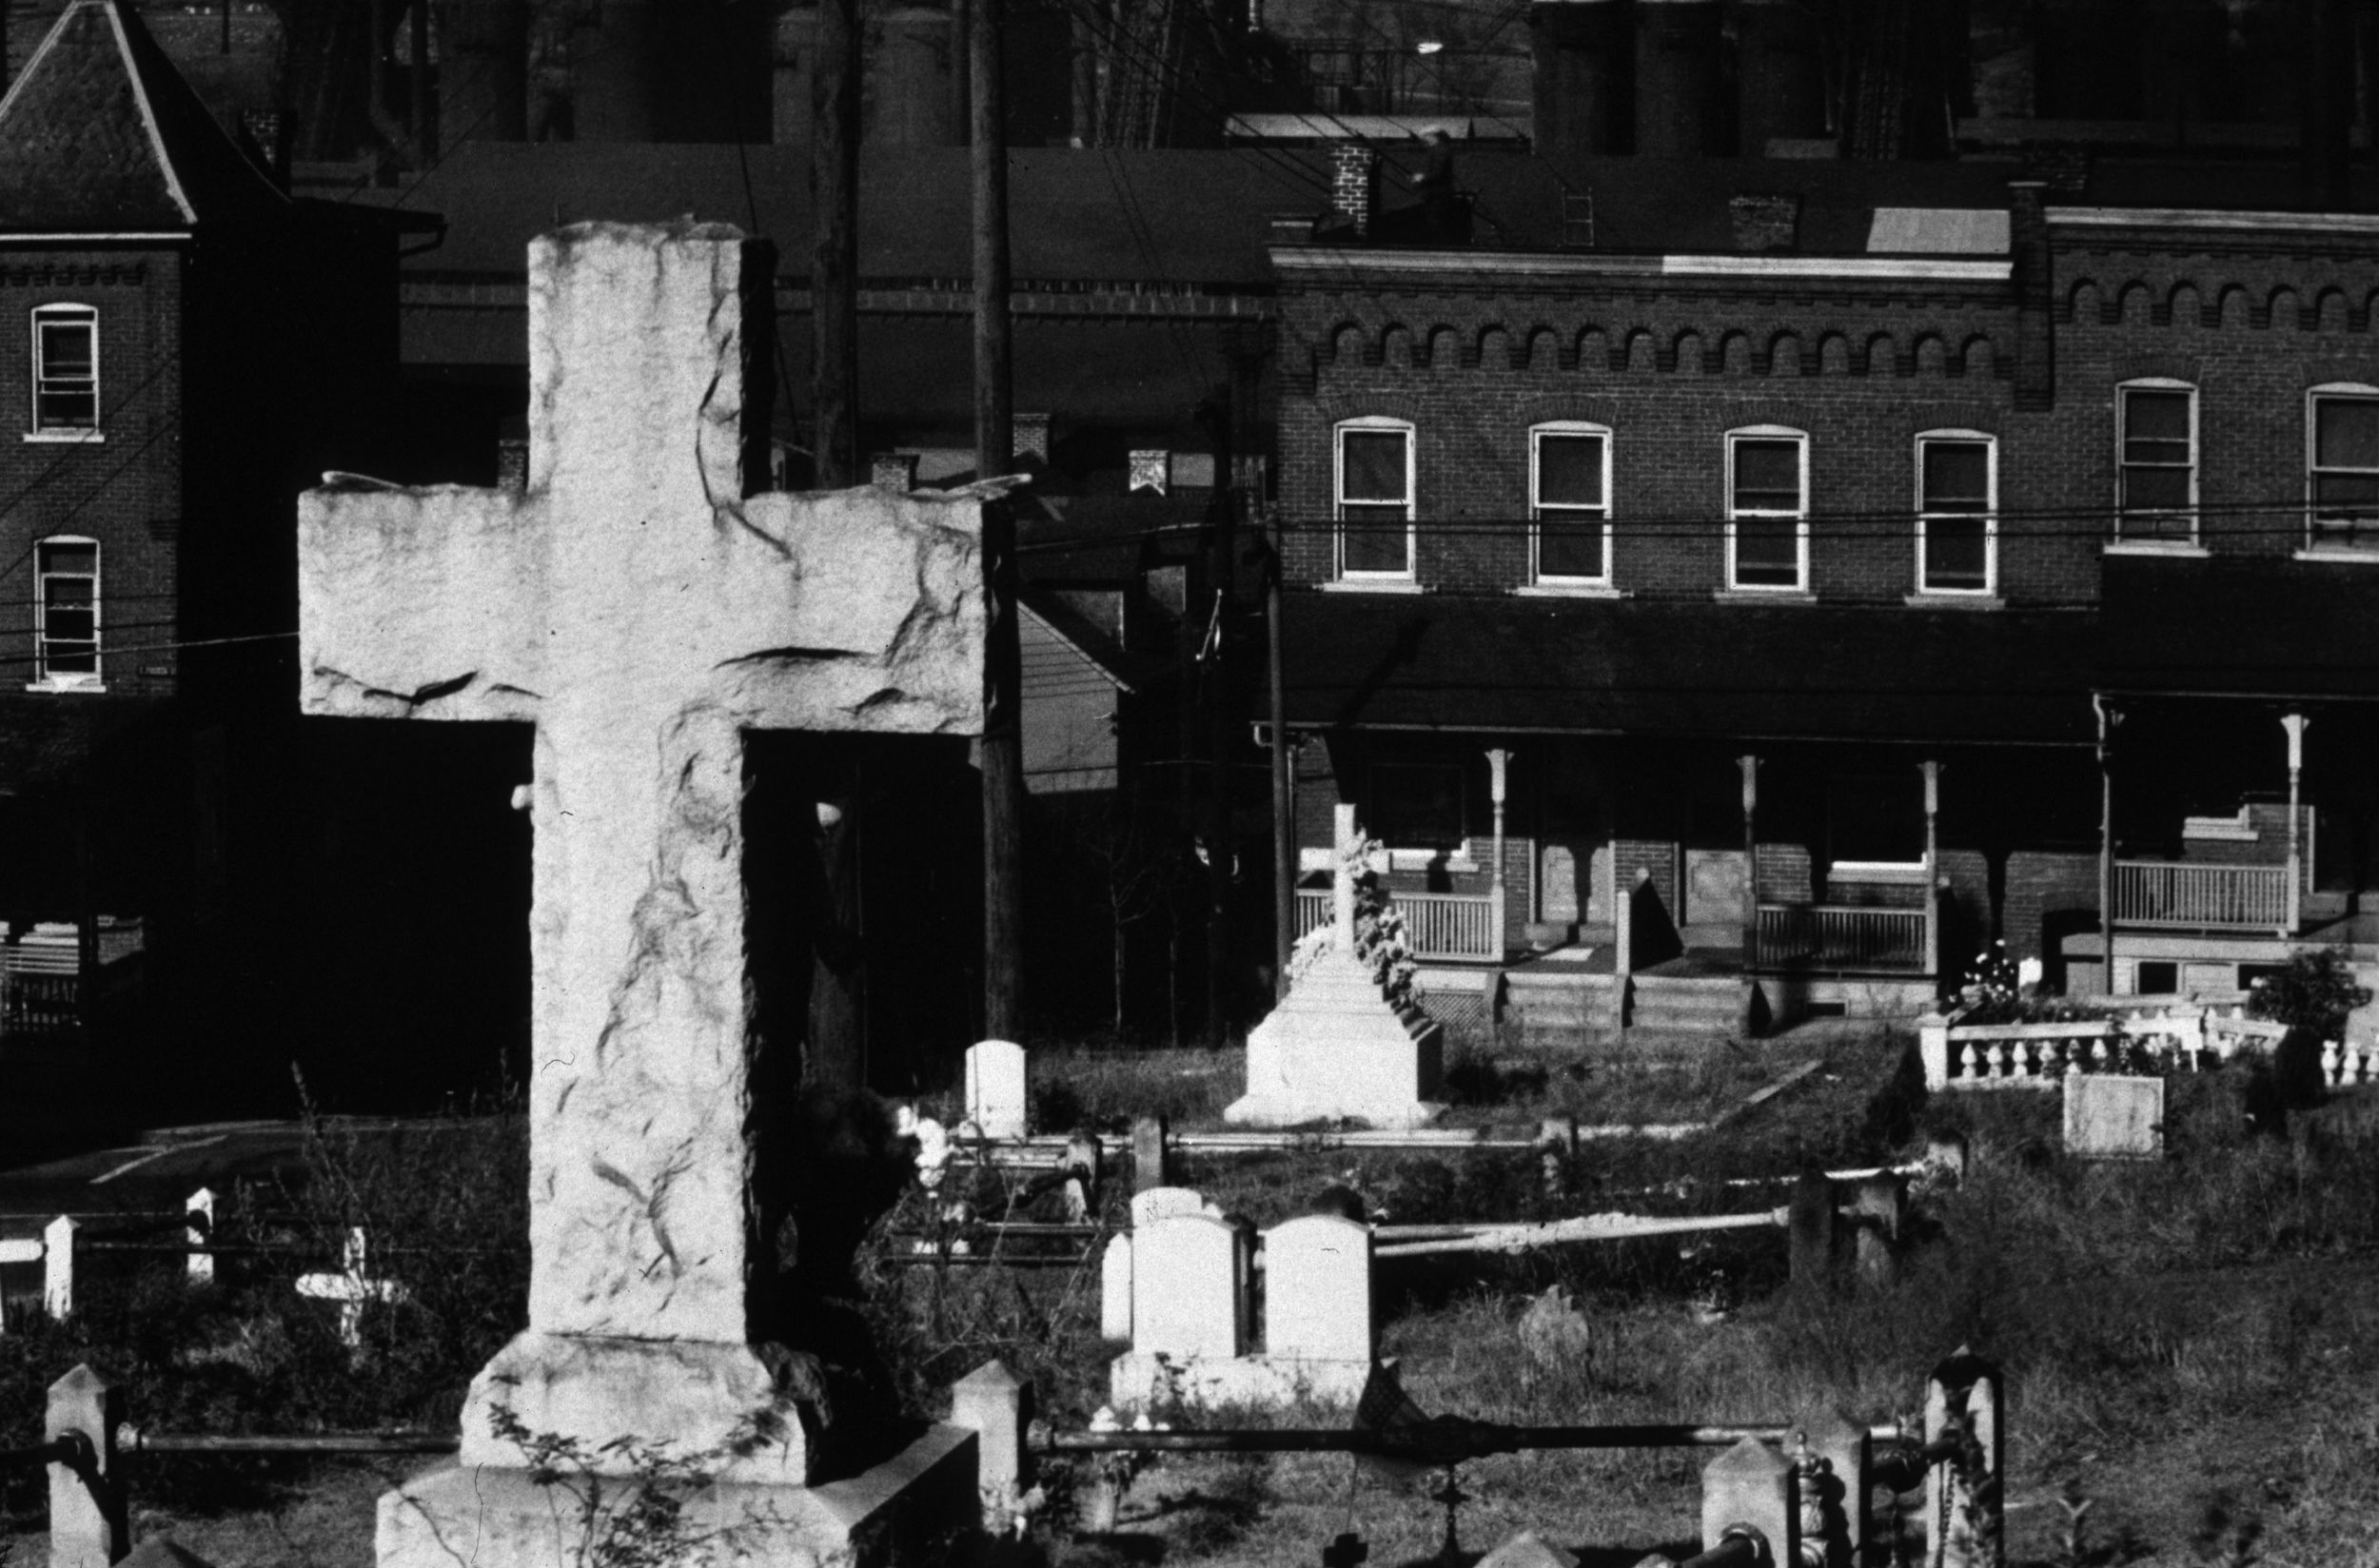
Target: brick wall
{"points": [[1861, 374], [123, 489]]}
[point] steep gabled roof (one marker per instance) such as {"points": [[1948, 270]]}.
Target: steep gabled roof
{"points": [[101, 134]]}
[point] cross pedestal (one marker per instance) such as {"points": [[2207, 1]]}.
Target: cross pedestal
{"points": [[642, 606], [1335, 1049]]}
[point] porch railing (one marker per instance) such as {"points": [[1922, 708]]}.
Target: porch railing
{"points": [[1436, 924], [1835, 936], [2168, 893]]}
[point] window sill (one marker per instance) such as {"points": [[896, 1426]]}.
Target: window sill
{"points": [[1370, 585], [70, 437], [2344, 555], [1872, 873], [1457, 862], [1765, 596], [1934, 599], [1567, 590], [65, 686], [2149, 547]]}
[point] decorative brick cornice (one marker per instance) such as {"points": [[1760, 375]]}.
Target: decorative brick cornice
{"points": [[74, 275]]}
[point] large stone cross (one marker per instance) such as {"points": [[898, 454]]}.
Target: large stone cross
{"points": [[643, 607]]}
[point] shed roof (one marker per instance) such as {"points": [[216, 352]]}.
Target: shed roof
{"points": [[1627, 667]]}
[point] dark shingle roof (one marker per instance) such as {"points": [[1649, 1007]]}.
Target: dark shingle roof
{"points": [[1684, 670], [101, 134]]}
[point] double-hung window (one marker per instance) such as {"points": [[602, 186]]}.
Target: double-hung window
{"points": [[1958, 473], [2157, 487], [1569, 495], [1767, 509], [2342, 466], [1374, 500], [66, 614], [66, 372]]}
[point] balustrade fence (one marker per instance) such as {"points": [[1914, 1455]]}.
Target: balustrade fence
{"points": [[1961, 1056], [1835, 936], [1436, 924], [2166, 892]]}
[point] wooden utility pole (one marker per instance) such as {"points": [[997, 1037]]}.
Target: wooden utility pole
{"points": [[995, 437], [1284, 828], [834, 87], [837, 1016], [1222, 515]]}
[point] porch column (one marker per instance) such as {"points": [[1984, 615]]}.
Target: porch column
{"points": [[1349, 842], [2108, 719], [1498, 761], [1931, 770], [2294, 724], [1750, 766]]}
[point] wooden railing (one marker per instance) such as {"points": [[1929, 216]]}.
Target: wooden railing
{"points": [[1436, 924], [1835, 936], [34, 1004], [2172, 893]]}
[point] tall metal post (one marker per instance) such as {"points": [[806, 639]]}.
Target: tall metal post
{"points": [[1931, 770], [1750, 766], [2108, 719]]}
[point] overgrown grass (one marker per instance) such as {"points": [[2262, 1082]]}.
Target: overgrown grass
{"points": [[444, 1204]]}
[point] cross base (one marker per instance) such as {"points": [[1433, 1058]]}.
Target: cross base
{"points": [[597, 1402], [461, 1516]]}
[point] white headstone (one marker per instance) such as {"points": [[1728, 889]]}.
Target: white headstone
{"points": [[643, 603], [2109, 1116], [1186, 1289], [1164, 1202], [1116, 1291], [996, 1100], [1317, 1289], [1528, 1550], [1560, 882]]}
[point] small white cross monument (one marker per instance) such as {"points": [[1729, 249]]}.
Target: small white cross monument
{"points": [[1335, 1050], [643, 606], [351, 1288]]}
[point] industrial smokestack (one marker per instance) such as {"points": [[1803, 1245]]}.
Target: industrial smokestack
{"points": [[1779, 74], [482, 72], [1581, 87], [1678, 98], [672, 70]]}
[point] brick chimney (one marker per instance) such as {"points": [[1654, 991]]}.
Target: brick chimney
{"points": [[1354, 180]]}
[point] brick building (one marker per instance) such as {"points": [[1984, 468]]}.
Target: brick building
{"points": [[1727, 596], [185, 342]]}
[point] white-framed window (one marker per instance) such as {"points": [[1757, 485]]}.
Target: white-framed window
{"points": [[1569, 503], [2342, 466], [2155, 434], [1767, 509], [66, 613], [1373, 479], [66, 371], [1957, 497]]}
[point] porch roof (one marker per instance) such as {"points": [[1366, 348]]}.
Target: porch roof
{"points": [[1631, 667], [2230, 626]]}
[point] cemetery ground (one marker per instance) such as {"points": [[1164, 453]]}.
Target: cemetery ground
{"points": [[2186, 1340]]}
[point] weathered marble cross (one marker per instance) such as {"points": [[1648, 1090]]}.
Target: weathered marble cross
{"points": [[642, 609]]}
